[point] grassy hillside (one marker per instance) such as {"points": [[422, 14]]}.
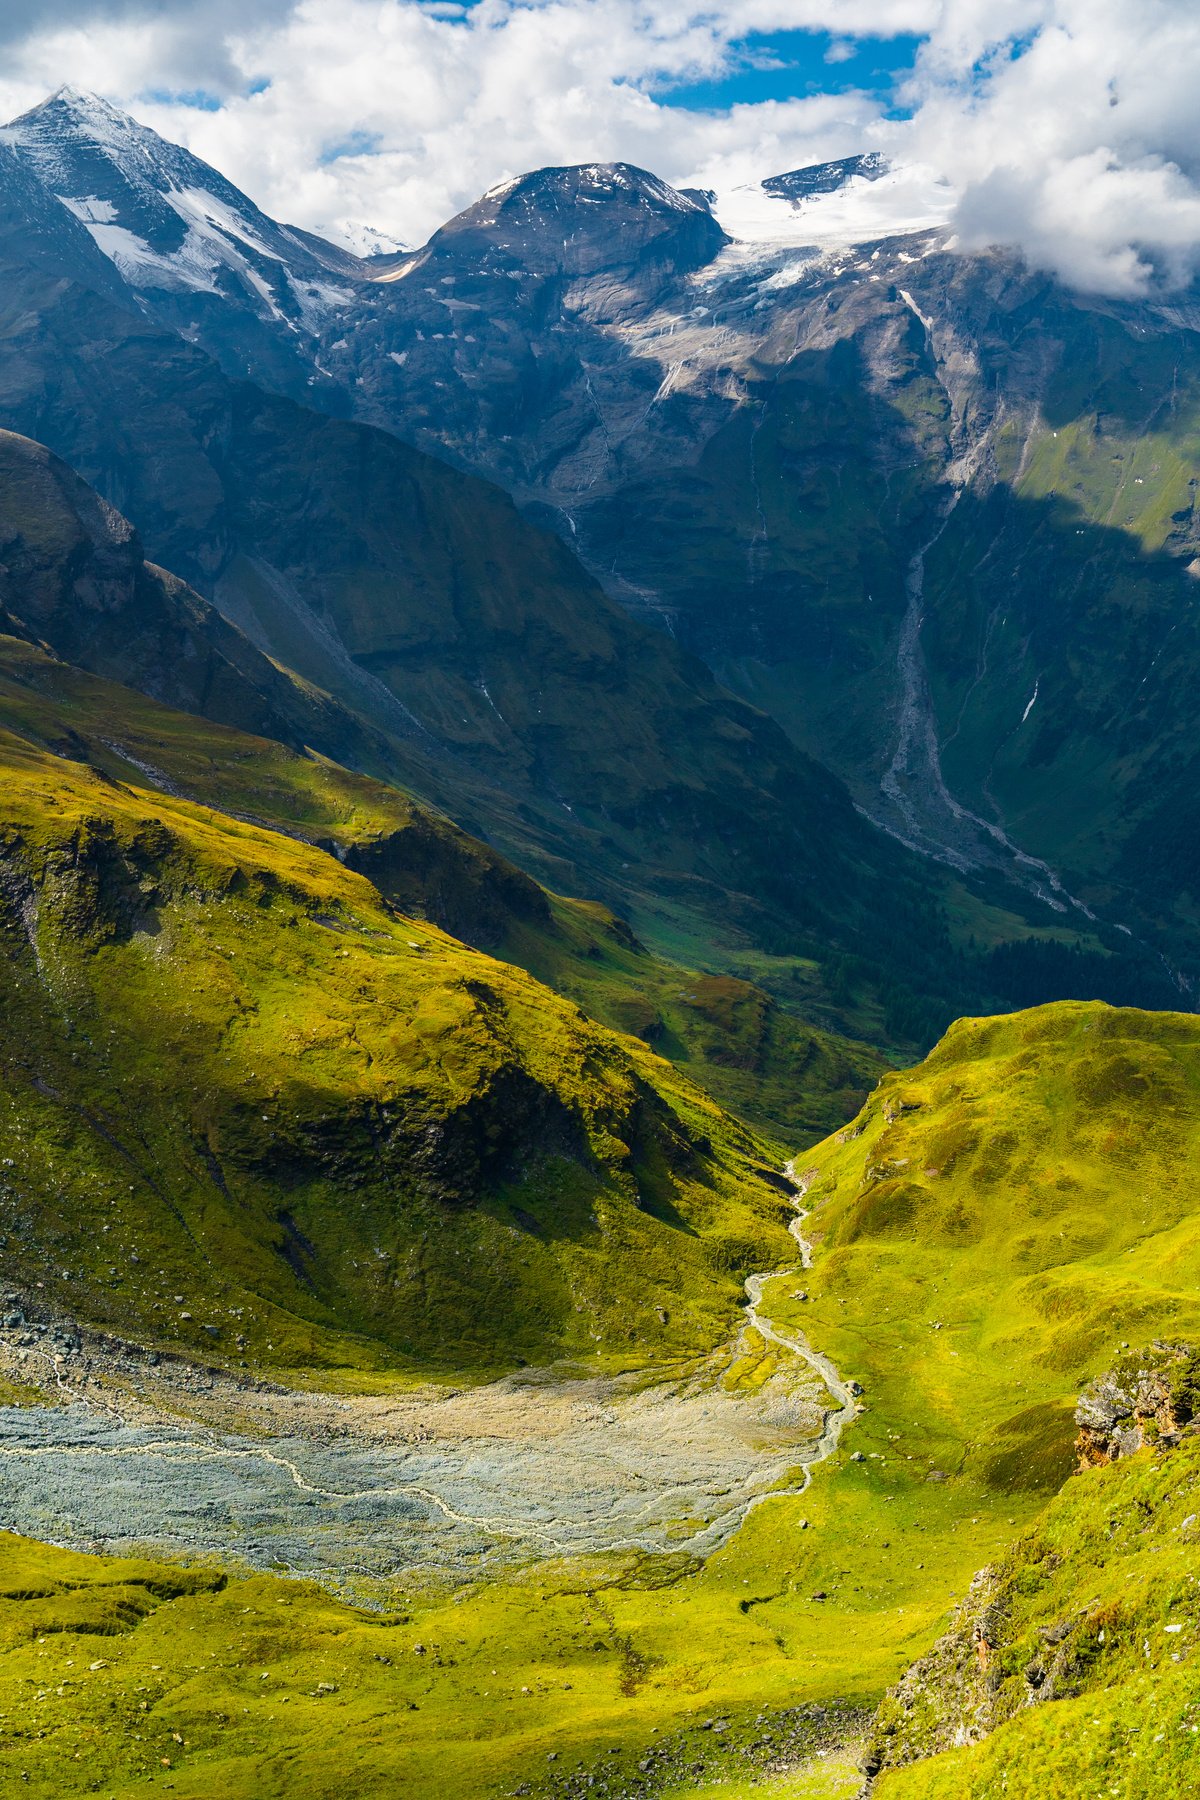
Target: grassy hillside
{"points": [[1001, 1216], [764, 1061], [991, 1229], [240, 1085], [126, 1677], [1060, 1223], [1077, 1647]]}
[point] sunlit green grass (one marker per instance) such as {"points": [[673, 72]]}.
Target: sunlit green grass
{"points": [[253, 1109], [1060, 1222]]}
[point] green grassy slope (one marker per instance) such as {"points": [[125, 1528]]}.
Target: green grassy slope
{"points": [[999, 1217], [125, 1678], [763, 1060], [234, 1072], [1060, 1222], [989, 1231]]}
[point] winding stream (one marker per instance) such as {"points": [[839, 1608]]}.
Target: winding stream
{"points": [[844, 1392]]}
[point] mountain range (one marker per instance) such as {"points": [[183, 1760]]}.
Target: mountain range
{"points": [[778, 448], [566, 354], [518, 754]]}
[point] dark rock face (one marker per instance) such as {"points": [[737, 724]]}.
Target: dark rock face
{"points": [[826, 178], [51, 237], [73, 576], [428, 870]]}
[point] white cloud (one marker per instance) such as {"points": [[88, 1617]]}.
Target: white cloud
{"points": [[399, 114], [1069, 127]]}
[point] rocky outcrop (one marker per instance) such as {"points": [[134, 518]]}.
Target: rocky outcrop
{"points": [[431, 870], [826, 178], [1149, 1397]]}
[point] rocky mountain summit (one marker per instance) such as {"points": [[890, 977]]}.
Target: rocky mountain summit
{"points": [[195, 251], [169, 221], [590, 220]]}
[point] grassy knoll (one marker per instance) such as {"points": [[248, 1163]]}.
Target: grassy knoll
{"points": [[998, 1220]]}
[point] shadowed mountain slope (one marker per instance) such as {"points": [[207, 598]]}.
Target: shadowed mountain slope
{"points": [[73, 575], [509, 689]]}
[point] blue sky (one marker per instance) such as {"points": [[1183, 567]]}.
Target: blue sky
{"points": [[791, 65]]}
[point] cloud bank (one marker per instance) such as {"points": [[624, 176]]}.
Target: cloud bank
{"points": [[1069, 128], [1075, 135]]}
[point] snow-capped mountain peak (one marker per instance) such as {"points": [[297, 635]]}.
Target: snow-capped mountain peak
{"points": [[169, 222], [576, 221], [854, 200]]}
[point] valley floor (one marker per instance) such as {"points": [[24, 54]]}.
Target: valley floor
{"points": [[460, 1506], [978, 1252], [355, 1490]]}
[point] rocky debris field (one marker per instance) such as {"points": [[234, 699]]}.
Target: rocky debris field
{"points": [[130, 1449]]}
